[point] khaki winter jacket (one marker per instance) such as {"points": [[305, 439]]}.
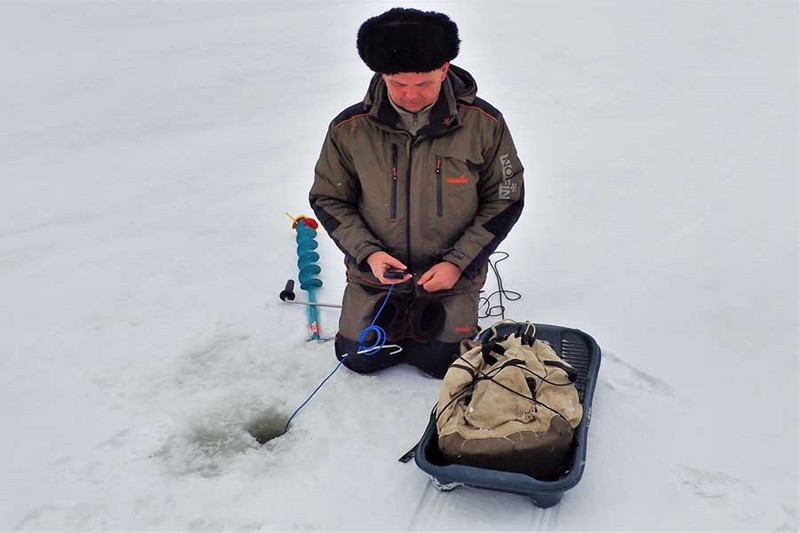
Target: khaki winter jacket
{"points": [[450, 193]]}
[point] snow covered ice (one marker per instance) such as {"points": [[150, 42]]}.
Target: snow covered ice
{"points": [[149, 151]]}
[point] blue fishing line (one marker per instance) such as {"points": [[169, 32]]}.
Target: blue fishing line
{"points": [[312, 395], [379, 343]]}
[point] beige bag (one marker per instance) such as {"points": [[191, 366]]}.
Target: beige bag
{"points": [[509, 404]]}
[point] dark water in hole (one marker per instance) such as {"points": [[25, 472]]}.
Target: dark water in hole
{"points": [[267, 426]]}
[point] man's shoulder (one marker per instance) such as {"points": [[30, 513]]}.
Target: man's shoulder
{"points": [[484, 109], [351, 113]]}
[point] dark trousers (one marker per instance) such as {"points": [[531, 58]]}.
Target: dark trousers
{"points": [[432, 357], [428, 326]]}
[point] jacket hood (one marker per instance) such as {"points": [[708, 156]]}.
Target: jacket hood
{"points": [[459, 86]]}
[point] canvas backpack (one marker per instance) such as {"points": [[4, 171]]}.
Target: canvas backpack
{"points": [[509, 404]]}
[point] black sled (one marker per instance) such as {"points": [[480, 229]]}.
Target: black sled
{"points": [[582, 352]]}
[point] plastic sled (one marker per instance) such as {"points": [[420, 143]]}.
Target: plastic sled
{"points": [[579, 350]]}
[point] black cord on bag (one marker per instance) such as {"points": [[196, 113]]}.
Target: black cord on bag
{"points": [[490, 375], [485, 307]]}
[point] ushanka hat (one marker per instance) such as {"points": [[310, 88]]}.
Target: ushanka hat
{"points": [[407, 40]]}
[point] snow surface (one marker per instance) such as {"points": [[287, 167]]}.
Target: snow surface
{"points": [[148, 152]]}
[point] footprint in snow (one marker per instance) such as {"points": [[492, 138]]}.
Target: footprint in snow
{"points": [[739, 499], [624, 377]]}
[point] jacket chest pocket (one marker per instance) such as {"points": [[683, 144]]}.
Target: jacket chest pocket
{"points": [[455, 185]]}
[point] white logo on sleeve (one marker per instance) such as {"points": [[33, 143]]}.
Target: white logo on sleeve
{"points": [[506, 188]]}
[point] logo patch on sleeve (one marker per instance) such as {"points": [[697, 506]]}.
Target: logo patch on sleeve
{"points": [[507, 187]]}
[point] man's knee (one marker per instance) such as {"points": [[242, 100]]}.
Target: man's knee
{"points": [[432, 357], [346, 351]]}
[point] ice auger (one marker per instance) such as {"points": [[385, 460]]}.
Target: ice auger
{"points": [[307, 258]]}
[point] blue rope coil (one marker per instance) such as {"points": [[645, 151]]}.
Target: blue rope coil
{"points": [[380, 333]]}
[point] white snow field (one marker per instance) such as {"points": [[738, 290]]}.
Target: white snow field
{"points": [[149, 151]]}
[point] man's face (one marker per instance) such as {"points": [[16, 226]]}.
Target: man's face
{"points": [[415, 90]]}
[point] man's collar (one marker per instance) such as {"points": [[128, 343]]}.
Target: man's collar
{"points": [[410, 121], [403, 111]]}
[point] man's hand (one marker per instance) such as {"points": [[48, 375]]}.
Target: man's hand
{"points": [[380, 262], [441, 276]]}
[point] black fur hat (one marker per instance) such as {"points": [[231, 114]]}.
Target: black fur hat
{"points": [[407, 40]]}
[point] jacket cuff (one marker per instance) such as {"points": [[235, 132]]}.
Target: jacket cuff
{"points": [[458, 258], [365, 251]]}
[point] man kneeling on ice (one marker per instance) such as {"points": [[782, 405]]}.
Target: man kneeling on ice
{"points": [[417, 185]]}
